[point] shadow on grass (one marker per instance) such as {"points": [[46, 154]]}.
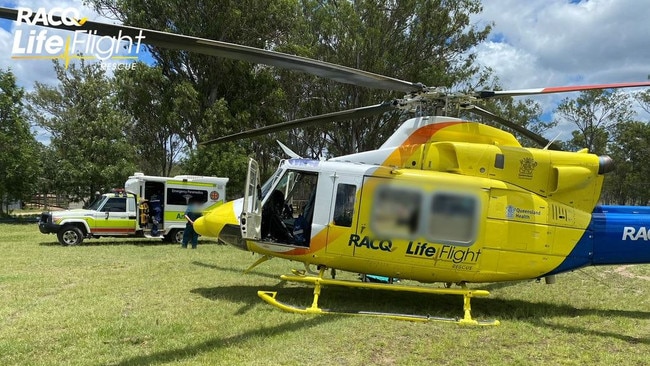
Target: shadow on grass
{"points": [[217, 343], [345, 299], [500, 285], [117, 242], [591, 332], [239, 271], [449, 306]]}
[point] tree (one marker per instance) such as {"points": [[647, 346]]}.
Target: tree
{"points": [[88, 132], [227, 160], [384, 37], [643, 98], [248, 92], [19, 159], [160, 111], [595, 113], [392, 38], [630, 147], [224, 160]]}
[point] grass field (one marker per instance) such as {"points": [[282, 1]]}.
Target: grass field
{"points": [[138, 302]]}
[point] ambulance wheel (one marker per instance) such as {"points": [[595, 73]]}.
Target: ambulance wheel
{"points": [[175, 236], [70, 235]]}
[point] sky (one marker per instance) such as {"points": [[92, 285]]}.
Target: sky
{"points": [[534, 43], [540, 43]]}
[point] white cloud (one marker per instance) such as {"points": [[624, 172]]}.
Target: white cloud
{"points": [[538, 43], [593, 39]]}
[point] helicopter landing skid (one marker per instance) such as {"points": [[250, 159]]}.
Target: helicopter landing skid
{"points": [[318, 282]]}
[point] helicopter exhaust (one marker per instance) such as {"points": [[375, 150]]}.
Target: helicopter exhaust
{"points": [[605, 164]]}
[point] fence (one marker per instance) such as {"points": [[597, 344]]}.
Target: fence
{"points": [[46, 201]]}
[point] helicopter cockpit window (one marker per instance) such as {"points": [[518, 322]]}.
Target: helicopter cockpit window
{"points": [[396, 212], [289, 209], [453, 218], [344, 205]]}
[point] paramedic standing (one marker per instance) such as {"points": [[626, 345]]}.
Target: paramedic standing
{"points": [[192, 213]]}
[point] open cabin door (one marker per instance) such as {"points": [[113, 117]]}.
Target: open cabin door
{"points": [[251, 216]]}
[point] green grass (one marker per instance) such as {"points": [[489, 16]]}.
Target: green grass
{"points": [[138, 302]]}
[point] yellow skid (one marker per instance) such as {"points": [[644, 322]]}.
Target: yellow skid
{"points": [[270, 297]]}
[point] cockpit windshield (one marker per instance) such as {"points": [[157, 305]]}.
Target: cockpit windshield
{"points": [[269, 182]]}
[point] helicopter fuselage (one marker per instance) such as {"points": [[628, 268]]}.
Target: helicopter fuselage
{"points": [[442, 201]]}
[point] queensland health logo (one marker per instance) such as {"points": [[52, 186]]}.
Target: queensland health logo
{"points": [[113, 51]]}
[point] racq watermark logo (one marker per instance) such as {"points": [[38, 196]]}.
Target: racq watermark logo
{"points": [[112, 51]]}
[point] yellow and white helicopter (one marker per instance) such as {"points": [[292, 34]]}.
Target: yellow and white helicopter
{"points": [[442, 200]]}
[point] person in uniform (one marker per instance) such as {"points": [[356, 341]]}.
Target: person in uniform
{"points": [[189, 235]]}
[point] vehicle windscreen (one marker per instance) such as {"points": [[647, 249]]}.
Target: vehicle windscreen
{"points": [[94, 206]]}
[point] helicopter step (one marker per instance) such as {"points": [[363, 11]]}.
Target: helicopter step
{"points": [[318, 282]]}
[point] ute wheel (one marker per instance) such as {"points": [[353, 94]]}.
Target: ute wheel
{"points": [[175, 236], [70, 235]]}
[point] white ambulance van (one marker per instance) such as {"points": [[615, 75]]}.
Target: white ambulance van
{"points": [[149, 206]]}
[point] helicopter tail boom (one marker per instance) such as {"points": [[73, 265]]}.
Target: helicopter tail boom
{"points": [[616, 235], [621, 235]]}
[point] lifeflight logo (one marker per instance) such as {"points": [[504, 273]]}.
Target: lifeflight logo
{"points": [[83, 44]]}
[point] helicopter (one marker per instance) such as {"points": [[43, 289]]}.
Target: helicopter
{"points": [[443, 200]]}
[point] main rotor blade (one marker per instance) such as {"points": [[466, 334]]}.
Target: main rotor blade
{"points": [[557, 89], [539, 139], [308, 121], [324, 69]]}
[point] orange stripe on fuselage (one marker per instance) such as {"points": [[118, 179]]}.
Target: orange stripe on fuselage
{"points": [[317, 243], [421, 136]]}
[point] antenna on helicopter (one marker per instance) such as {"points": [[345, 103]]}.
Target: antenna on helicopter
{"points": [[552, 141], [290, 153]]}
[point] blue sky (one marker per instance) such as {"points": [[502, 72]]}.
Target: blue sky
{"points": [[6, 24], [534, 43]]}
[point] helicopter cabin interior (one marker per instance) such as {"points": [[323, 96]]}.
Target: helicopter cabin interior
{"points": [[288, 212]]}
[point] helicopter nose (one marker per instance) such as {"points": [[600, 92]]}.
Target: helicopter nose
{"points": [[222, 223], [213, 221]]}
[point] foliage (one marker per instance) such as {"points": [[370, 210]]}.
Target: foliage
{"points": [[386, 37], [88, 138], [228, 160], [643, 100], [164, 111], [606, 124], [231, 95], [595, 113], [630, 148], [19, 155], [363, 34], [160, 109]]}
